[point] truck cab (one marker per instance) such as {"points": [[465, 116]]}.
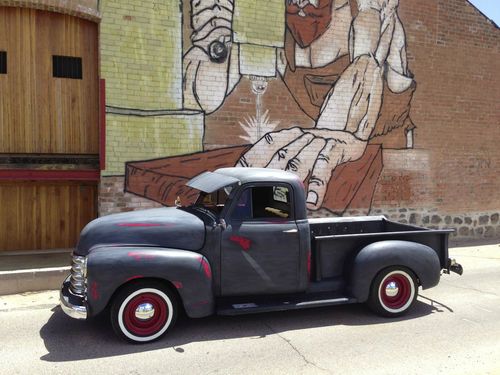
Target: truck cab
{"points": [[262, 230]]}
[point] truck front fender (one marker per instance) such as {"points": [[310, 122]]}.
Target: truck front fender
{"points": [[421, 259], [109, 268]]}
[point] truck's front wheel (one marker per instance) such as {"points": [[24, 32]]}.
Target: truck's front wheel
{"points": [[143, 311], [393, 292]]}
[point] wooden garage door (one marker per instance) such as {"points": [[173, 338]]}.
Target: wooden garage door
{"points": [[44, 215], [40, 112]]}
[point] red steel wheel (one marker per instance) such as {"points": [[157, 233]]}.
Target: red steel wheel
{"points": [[393, 291], [143, 312]]}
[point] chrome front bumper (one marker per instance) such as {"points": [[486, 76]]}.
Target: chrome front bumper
{"points": [[72, 305]]}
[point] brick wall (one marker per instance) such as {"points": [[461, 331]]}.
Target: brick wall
{"points": [[112, 198], [446, 177]]}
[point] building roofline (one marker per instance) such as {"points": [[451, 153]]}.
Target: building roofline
{"points": [[484, 15]]}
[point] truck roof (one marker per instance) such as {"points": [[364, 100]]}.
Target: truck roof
{"points": [[209, 182], [212, 181], [245, 175]]}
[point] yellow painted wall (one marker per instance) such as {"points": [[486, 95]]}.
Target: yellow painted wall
{"points": [[141, 53], [141, 61], [130, 138]]}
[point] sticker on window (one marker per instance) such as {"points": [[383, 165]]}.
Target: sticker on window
{"points": [[280, 194]]}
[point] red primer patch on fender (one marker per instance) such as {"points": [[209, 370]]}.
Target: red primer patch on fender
{"points": [[177, 284], [94, 293], [244, 243], [145, 225], [206, 267], [139, 256], [134, 277]]}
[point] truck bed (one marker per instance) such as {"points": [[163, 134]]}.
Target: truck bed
{"points": [[336, 241]]}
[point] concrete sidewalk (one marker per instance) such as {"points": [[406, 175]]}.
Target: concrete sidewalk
{"points": [[31, 271]]}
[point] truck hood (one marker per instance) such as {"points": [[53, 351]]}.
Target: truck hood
{"points": [[163, 227]]}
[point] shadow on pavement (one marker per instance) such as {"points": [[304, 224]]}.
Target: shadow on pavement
{"points": [[68, 340]]}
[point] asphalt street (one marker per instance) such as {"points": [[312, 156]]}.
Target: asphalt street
{"points": [[454, 329]]}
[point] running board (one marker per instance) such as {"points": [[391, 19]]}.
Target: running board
{"points": [[253, 307]]}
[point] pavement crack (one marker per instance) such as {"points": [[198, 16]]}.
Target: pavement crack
{"points": [[289, 342]]}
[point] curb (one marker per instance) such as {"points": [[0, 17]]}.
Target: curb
{"points": [[21, 281]]}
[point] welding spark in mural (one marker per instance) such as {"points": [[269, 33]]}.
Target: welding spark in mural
{"points": [[256, 126]]}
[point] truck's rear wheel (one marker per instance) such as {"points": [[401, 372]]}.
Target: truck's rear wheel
{"points": [[143, 311], [393, 292]]}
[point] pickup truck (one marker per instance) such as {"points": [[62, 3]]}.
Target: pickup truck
{"points": [[245, 246]]}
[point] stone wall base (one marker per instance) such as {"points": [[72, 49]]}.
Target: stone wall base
{"points": [[471, 225], [467, 225]]}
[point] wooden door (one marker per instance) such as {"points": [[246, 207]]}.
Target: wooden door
{"points": [[44, 214], [41, 113]]}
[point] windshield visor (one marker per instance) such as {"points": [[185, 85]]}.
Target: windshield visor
{"points": [[209, 182]]}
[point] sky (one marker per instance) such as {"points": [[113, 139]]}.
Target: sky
{"points": [[490, 8]]}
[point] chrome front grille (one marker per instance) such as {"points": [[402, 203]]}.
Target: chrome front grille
{"points": [[78, 280]]}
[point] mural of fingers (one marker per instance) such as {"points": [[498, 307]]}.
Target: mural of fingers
{"points": [[330, 156], [283, 156], [263, 151], [303, 162]]}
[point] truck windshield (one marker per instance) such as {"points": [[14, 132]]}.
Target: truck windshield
{"points": [[214, 201]]}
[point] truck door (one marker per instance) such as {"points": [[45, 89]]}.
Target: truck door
{"points": [[260, 245]]}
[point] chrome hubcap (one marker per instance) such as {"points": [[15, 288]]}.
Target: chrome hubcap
{"points": [[391, 290], [144, 311]]}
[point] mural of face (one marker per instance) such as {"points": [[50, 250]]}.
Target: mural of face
{"points": [[361, 91], [308, 20]]}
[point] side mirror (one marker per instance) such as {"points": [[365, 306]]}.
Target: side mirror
{"points": [[222, 224]]}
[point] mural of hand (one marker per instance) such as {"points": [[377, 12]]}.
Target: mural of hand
{"points": [[312, 154]]}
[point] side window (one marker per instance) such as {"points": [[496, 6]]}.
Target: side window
{"points": [[263, 202], [243, 208]]}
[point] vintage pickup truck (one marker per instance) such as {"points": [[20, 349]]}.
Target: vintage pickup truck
{"points": [[245, 246]]}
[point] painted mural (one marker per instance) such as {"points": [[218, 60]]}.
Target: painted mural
{"points": [[344, 64]]}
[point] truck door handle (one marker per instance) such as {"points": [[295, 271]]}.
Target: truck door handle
{"points": [[290, 231]]}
